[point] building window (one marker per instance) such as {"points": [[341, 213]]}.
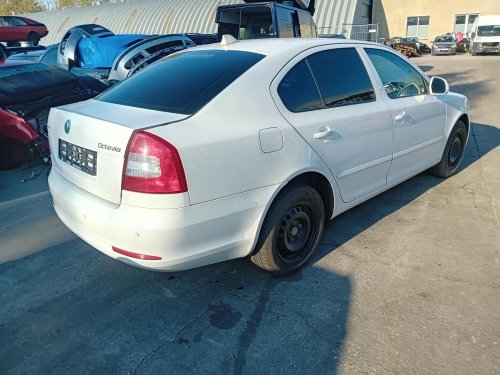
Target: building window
{"points": [[464, 23], [417, 26]]}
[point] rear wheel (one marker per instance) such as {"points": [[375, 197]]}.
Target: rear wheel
{"points": [[453, 152], [34, 38], [291, 231]]}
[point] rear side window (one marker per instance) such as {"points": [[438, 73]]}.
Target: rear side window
{"points": [[341, 76], [298, 91], [18, 21], [182, 83]]}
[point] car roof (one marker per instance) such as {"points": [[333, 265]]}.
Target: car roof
{"points": [[277, 46]]}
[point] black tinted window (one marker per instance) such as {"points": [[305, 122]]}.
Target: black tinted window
{"points": [[341, 76], [182, 83], [298, 91], [399, 78]]}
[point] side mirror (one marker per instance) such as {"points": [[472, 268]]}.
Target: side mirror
{"points": [[439, 86], [472, 35]]}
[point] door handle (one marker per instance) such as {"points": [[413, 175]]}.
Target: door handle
{"points": [[400, 116], [324, 131]]}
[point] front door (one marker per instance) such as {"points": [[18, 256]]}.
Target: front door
{"points": [[419, 118]]}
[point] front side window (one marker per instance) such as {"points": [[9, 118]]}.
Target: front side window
{"points": [[399, 78], [417, 27], [183, 83], [6, 21]]}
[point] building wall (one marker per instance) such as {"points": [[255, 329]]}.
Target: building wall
{"points": [[391, 15], [176, 16]]}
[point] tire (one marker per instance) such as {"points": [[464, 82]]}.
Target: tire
{"points": [[3, 52], [291, 231], [34, 38], [453, 152]]}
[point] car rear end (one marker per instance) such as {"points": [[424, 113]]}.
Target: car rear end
{"points": [[125, 175], [35, 26], [108, 192]]}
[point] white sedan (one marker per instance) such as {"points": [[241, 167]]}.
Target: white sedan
{"points": [[246, 148]]}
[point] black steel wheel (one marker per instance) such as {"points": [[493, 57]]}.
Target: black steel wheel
{"points": [[291, 231], [453, 152]]}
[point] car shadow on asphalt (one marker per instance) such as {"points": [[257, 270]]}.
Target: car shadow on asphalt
{"points": [[71, 307]]}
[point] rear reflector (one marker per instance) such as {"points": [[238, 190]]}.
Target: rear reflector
{"points": [[135, 255]]}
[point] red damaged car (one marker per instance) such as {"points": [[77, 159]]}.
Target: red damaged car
{"points": [[27, 92], [17, 29]]}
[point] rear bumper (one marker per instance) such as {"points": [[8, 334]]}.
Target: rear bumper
{"points": [[184, 238]]}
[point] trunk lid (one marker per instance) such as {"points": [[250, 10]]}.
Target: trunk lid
{"points": [[88, 141]]}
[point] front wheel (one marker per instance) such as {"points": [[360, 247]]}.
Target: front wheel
{"points": [[291, 231], [453, 152]]}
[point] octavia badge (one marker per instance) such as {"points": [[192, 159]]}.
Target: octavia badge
{"points": [[67, 126]]}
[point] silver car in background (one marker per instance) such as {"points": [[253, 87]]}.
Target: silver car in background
{"points": [[444, 45]]}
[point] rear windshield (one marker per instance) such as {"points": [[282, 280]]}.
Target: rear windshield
{"points": [[182, 83]]}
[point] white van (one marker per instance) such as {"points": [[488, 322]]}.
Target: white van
{"points": [[486, 35]]}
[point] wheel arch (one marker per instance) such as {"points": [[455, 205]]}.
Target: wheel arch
{"points": [[319, 182], [315, 179], [465, 119]]}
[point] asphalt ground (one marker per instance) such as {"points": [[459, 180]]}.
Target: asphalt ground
{"points": [[406, 283]]}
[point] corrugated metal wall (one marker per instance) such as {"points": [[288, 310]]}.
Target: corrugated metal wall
{"points": [[169, 16]]}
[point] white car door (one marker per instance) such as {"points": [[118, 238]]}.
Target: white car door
{"points": [[419, 118], [327, 95]]}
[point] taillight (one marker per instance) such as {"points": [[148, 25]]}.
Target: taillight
{"points": [[152, 165]]}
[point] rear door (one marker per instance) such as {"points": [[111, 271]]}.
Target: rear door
{"points": [[327, 95]]}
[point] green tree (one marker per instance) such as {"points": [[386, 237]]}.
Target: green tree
{"points": [[8, 7]]}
